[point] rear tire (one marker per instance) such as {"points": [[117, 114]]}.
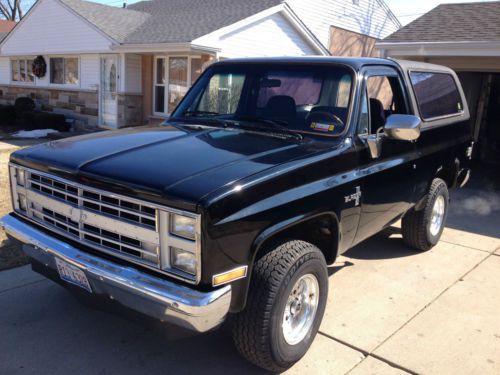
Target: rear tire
{"points": [[289, 285], [422, 229]]}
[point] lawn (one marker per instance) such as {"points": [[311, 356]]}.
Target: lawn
{"points": [[10, 251]]}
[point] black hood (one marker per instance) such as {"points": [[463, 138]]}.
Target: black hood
{"points": [[172, 166]]}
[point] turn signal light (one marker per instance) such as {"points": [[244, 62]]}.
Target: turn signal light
{"points": [[226, 277]]}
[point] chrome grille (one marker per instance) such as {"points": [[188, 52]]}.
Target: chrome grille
{"points": [[121, 226], [111, 223], [95, 201]]}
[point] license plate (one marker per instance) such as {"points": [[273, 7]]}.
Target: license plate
{"points": [[72, 275]]}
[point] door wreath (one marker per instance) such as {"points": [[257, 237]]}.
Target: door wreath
{"points": [[39, 67]]}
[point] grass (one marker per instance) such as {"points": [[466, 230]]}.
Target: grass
{"points": [[11, 254]]}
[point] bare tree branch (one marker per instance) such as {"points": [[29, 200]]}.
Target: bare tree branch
{"points": [[14, 10]]}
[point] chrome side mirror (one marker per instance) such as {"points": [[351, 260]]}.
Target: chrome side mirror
{"points": [[403, 127], [399, 127]]}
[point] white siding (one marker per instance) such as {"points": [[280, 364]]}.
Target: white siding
{"points": [[370, 17], [4, 70], [90, 71], [51, 28], [270, 36], [133, 78]]}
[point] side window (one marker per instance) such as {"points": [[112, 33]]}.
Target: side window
{"points": [[385, 97], [437, 94]]}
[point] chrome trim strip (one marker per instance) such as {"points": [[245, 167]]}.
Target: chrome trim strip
{"points": [[150, 295]]}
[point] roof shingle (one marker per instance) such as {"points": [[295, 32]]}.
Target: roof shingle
{"points": [[453, 23], [167, 21]]}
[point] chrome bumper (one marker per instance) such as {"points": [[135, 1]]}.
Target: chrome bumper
{"points": [[155, 297]]}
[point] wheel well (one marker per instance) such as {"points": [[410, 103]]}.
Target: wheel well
{"points": [[321, 231]]}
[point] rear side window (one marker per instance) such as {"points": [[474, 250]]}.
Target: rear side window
{"points": [[437, 94]]}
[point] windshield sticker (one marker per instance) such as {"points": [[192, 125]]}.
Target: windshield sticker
{"points": [[322, 127]]}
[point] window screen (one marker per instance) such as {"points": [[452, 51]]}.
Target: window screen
{"points": [[437, 94]]}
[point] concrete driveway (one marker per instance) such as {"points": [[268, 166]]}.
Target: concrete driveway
{"points": [[390, 311]]}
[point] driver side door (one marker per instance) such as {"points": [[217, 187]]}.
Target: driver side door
{"points": [[388, 181]]}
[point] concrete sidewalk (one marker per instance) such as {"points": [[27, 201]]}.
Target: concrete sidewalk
{"points": [[390, 311]]}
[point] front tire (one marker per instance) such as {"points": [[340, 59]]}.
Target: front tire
{"points": [[422, 229], [285, 306]]}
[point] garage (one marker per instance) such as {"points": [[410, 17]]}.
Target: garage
{"points": [[454, 35]]}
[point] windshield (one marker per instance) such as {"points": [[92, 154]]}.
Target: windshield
{"points": [[306, 99]]}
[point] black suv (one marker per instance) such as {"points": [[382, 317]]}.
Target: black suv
{"points": [[266, 171]]}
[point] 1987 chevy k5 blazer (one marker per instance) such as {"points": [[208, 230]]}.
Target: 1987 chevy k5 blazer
{"points": [[266, 171]]}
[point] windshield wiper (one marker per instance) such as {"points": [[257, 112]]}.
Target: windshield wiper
{"points": [[276, 124], [200, 113]]}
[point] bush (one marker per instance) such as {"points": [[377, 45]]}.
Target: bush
{"points": [[7, 115], [26, 120], [24, 105], [47, 120], [24, 115]]}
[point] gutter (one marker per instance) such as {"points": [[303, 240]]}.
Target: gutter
{"points": [[440, 48], [164, 47]]}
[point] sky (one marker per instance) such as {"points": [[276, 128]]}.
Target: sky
{"points": [[405, 10]]}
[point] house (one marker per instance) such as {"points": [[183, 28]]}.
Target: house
{"points": [[5, 28], [111, 67], [465, 37]]}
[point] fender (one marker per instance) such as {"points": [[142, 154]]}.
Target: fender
{"points": [[241, 287]]}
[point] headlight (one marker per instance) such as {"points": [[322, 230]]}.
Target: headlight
{"points": [[20, 177], [22, 203], [183, 226], [180, 249], [183, 260]]}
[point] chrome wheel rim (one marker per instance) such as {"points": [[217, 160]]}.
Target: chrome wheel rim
{"points": [[437, 215], [300, 309]]}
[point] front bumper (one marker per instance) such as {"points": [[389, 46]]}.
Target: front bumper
{"points": [[153, 296]]}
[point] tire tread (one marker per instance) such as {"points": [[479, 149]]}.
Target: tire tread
{"points": [[414, 224], [251, 328]]}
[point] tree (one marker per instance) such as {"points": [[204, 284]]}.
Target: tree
{"points": [[13, 10]]}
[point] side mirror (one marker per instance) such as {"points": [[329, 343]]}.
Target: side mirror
{"points": [[399, 127], [403, 127]]}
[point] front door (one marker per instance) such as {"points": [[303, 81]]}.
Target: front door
{"points": [[389, 180], [109, 87]]}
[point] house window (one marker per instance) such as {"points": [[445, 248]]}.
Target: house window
{"points": [[64, 70], [21, 71], [172, 78], [177, 81], [196, 68]]}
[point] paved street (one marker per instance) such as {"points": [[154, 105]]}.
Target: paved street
{"points": [[390, 311]]}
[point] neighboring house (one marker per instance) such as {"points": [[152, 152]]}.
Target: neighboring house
{"points": [[5, 28], [465, 37], [347, 27], [113, 67]]}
